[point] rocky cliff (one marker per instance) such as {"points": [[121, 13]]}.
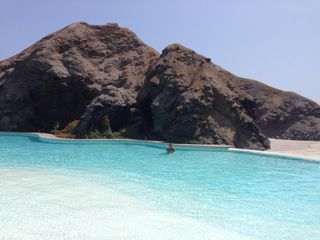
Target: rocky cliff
{"points": [[56, 79], [95, 74], [280, 114], [190, 98]]}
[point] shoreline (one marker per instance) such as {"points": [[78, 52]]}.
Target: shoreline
{"points": [[298, 149]]}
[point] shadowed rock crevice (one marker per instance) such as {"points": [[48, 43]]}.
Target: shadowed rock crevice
{"points": [[147, 124]]}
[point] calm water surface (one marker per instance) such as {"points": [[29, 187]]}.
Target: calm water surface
{"points": [[257, 197]]}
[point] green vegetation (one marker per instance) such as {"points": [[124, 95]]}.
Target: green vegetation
{"points": [[68, 131], [128, 132], [183, 140], [109, 134], [123, 133], [99, 129], [192, 141]]}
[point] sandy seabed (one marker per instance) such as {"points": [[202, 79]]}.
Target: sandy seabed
{"points": [[41, 205]]}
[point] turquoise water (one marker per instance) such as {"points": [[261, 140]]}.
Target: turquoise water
{"points": [[259, 197]]}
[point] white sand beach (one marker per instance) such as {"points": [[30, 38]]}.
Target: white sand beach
{"points": [[296, 148]]}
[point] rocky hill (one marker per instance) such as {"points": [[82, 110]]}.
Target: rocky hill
{"points": [[104, 78], [280, 114], [58, 77], [190, 98]]}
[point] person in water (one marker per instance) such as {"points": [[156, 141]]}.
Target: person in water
{"points": [[170, 148]]}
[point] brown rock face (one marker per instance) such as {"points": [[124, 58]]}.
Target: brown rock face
{"points": [[285, 115], [58, 77], [190, 98], [99, 74]]}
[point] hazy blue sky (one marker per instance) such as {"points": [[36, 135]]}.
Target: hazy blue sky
{"points": [[273, 41]]}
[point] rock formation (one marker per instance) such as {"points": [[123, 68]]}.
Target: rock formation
{"points": [[280, 114], [191, 99], [82, 65], [106, 73]]}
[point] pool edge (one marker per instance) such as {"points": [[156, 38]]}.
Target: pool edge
{"points": [[47, 137], [274, 154]]}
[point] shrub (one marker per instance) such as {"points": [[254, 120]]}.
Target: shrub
{"points": [[69, 130], [121, 134], [100, 129], [105, 128], [192, 141]]}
